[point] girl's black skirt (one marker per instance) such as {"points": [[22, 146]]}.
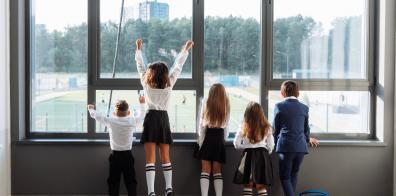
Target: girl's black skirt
{"points": [[255, 166], [213, 146], [156, 128]]}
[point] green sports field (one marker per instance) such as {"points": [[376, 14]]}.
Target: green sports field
{"points": [[66, 111]]}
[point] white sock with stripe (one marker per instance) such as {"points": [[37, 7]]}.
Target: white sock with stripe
{"points": [[167, 169], [150, 178], [204, 183], [218, 184], [247, 192], [262, 192]]}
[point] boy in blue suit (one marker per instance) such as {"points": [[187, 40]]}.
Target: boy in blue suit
{"points": [[291, 133]]}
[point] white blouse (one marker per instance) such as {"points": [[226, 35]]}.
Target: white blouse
{"points": [[202, 124], [121, 129], [158, 99], [241, 142]]}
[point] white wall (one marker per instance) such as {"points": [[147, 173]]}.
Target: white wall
{"points": [[4, 100]]}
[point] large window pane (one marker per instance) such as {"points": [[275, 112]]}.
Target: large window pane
{"points": [[59, 66], [232, 52], [164, 26], [181, 111], [319, 39], [332, 111]]}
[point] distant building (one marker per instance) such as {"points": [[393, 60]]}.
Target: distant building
{"points": [[150, 10]]}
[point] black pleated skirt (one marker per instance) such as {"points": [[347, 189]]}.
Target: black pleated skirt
{"points": [[213, 146], [156, 128], [255, 166]]}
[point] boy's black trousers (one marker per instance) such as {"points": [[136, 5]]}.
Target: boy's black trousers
{"points": [[122, 162]]}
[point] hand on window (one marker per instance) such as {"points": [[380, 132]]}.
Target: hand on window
{"points": [[142, 100], [313, 142], [139, 44], [91, 106], [189, 44]]}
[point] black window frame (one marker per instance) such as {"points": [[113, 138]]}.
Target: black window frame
{"points": [[196, 82]]}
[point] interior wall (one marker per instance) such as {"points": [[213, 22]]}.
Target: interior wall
{"points": [[4, 82], [340, 169]]}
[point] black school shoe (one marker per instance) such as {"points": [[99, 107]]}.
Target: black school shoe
{"points": [[169, 192], [151, 194]]}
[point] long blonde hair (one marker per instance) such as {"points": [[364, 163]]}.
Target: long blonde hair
{"points": [[217, 109], [255, 124]]}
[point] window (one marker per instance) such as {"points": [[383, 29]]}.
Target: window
{"points": [[232, 52], [59, 57], [319, 39], [181, 111], [332, 111], [83, 52], [163, 26]]}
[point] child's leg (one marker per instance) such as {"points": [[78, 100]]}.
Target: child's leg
{"points": [[113, 180], [218, 179], [261, 189], [248, 190], [167, 167], [285, 166], [129, 174], [205, 176], [150, 166], [295, 168]]}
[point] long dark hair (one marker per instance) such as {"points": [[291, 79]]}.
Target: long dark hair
{"points": [[255, 125], [157, 75]]}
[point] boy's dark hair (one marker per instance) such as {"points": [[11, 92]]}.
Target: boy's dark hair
{"points": [[122, 108], [290, 88], [157, 75]]}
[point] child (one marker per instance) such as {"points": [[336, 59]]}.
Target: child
{"points": [[291, 135], [255, 136], [213, 122], [122, 126], [157, 82]]}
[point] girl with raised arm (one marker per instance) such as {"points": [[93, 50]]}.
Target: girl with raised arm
{"points": [[157, 82]]}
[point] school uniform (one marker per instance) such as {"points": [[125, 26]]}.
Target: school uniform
{"points": [[211, 139], [291, 134], [156, 126], [255, 164], [121, 159]]}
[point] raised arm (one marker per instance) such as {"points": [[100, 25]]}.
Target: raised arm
{"points": [[270, 141], [276, 123], [238, 140], [101, 119], [139, 117], [179, 62], [139, 60], [201, 126]]}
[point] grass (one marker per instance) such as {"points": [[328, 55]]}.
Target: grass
{"points": [[67, 113]]}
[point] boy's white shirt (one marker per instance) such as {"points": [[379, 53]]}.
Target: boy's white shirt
{"points": [[202, 125], [158, 99], [121, 129], [241, 142]]}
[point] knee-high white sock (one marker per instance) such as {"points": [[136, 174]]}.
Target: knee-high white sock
{"points": [[204, 183], [167, 168], [218, 184], [247, 192], [150, 178], [262, 192]]}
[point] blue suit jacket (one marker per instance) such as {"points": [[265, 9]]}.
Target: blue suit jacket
{"points": [[291, 127]]}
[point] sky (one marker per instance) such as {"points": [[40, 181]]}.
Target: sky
{"points": [[57, 14]]}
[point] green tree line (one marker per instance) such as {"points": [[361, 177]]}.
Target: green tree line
{"points": [[231, 43]]}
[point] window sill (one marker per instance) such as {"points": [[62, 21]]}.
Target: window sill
{"points": [[349, 143]]}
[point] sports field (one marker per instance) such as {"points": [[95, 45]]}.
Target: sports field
{"points": [[66, 111]]}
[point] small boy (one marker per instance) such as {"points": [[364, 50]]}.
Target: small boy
{"points": [[292, 135], [121, 127]]}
